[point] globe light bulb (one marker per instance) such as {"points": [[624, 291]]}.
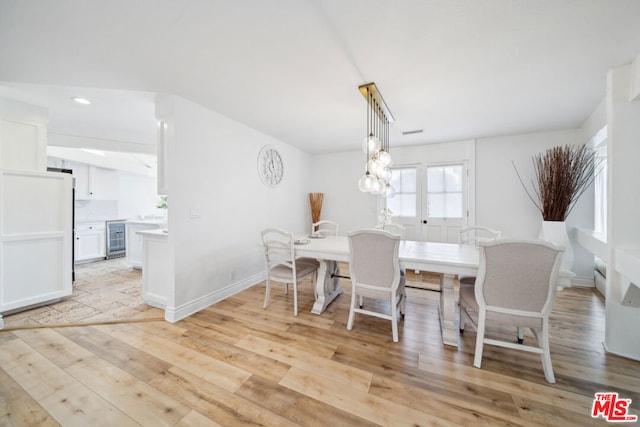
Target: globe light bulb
{"points": [[385, 158], [378, 187], [366, 183], [371, 144]]}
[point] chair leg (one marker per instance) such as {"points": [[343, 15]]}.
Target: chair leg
{"points": [[286, 289], [361, 304], [352, 313], [266, 294], [461, 317], [477, 360], [520, 331], [394, 321], [403, 299], [546, 354], [295, 297]]}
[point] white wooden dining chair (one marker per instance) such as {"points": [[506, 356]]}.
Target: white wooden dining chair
{"points": [[375, 273], [325, 227], [471, 236], [516, 286], [281, 264]]}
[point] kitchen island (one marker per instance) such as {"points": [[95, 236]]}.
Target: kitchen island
{"points": [[134, 240], [157, 268]]}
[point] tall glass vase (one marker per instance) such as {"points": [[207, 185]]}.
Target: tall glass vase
{"points": [[556, 233]]}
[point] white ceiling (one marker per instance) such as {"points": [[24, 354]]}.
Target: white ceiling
{"points": [[291, 68]]}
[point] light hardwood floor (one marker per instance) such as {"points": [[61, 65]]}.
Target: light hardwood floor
{"points": [[235, 364]]}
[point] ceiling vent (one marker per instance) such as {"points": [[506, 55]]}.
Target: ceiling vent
{"points": [[411, 132]]}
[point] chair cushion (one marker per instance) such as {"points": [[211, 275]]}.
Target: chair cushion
{"points": [[285, 273]]}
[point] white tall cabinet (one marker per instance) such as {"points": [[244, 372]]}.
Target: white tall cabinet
{"points": [[36, 207]]}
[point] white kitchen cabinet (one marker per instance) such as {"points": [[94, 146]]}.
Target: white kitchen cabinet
{"points": [[134, 241], [95, 183], [90, 241], [23, 136], [158, 271]]}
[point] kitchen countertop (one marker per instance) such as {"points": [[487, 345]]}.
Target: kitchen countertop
{"points": [[159, 232], [90, 220], [146, 221]]}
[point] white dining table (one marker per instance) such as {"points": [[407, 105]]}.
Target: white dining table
{"points": [[449, 259]]}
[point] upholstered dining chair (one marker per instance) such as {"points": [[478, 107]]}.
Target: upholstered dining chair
{"points": [[325, 227], [516, 286], [471, 236], [375, 273], [282, 266]]}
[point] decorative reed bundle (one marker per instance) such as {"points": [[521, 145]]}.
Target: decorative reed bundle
{"points": [[562, 174], [315, 200]]}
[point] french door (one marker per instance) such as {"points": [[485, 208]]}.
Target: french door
{"points": [[431, 200]]}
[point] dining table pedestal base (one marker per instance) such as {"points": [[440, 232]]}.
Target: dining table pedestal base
{"points": [[327, 285], [447, 310]]}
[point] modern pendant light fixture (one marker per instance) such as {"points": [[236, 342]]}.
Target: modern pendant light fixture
{"points": [[377, 175]]}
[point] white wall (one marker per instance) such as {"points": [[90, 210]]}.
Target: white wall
{"points": [[501, 202], [137, 196], [336, 175], [212, 171], [622, 334]]}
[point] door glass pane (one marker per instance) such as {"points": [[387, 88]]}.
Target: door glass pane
{"points": [[453, 178], [403, 203], [445, 191], [435, 180], [435, 205], [409, 180], [453, 205]]}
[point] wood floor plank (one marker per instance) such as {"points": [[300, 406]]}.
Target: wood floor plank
{"points": [[543, 393], [246, 360], [143, 403], [67, 400], [243, 328], [196, 419], [480, 406], [53, 346], [536, 412], [224, 374], [353, 377], [140, 364], [37, 375], [297, 407], [216, 403], [18, 408], [357, 402]]}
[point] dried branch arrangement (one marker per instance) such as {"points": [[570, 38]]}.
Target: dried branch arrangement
{"points": [[562, 175], [315, 200]]}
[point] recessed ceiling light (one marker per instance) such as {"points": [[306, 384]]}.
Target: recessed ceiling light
{"points": [[80, 100]]}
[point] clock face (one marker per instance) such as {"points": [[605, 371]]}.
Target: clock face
{"points": [[270, 166]]}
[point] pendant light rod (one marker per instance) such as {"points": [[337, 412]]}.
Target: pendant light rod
{"points": [[371, 89]]}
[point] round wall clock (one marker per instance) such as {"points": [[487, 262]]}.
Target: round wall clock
{"points": [[270, 166]]}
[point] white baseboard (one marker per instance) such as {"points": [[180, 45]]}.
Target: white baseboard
{"points": [[608, 350], [174, 314], [583, 282]]}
